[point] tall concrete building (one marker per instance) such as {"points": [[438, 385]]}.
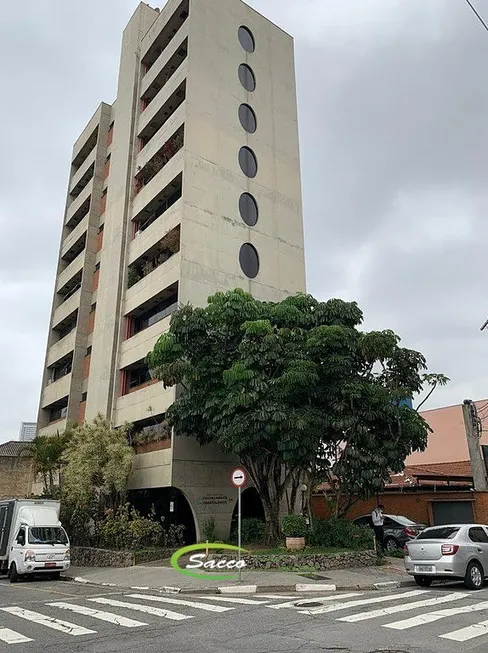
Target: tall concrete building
{"points": [[188, 184], [27, 431]]}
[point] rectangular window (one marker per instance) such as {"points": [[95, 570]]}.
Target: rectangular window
{"points": [[93, 308], [84, 396], [88, 351]]}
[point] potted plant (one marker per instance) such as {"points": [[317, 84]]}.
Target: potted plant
{"points": [[294, 528]]}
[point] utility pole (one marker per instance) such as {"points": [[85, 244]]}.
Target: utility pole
{"points": [[473, 433]]}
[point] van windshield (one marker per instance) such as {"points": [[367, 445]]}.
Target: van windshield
{"points": [[47, 535]]}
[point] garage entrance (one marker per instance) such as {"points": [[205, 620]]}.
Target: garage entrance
{"points": [[452, 512]]}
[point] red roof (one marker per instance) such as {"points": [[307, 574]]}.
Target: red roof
{"points": [[438, 473]]}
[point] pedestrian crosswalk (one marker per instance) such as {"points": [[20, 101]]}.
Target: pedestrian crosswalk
{"points": [[453, 616]]}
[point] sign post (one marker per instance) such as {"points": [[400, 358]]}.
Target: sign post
{"points": [[238, 480]]}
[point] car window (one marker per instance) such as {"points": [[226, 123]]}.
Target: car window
{"points": [[441, 533], [478, 534]]}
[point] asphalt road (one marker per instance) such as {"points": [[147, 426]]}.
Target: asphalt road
{"points": [[46, 616]]}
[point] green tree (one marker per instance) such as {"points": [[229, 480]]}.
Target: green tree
{"points": [[98, 465], [275, 383], [46, 452]]}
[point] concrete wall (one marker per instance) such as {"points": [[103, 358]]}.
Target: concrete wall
{"points": [[417, 506], [447, 443], [16, 477]]}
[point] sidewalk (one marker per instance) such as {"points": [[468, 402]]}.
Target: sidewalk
{"points": [[166, 579]]}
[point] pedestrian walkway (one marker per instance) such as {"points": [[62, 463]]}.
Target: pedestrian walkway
{"points": [[453, 616]]}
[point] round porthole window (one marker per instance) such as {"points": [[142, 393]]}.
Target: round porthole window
{"points": [[248, 208], [249, 260], [246, 77], [248, 162], [246, 39], [247, 118]]}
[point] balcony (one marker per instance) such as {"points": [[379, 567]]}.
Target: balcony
{"points": [[75, 241], [162, 109], [144, 233], [143, 291], [151, 434], [159, 161], [159, 42], [146, 323], [164, 134], [87, 147], [54, 427], [72, 273], [67, 308], [155, 256], [62, 348], [79, 207], [133, 406], [83, 175], [56, 391], [164, 74]]}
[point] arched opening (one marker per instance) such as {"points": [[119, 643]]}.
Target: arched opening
{"points": [[168, 503], [251, 508]]}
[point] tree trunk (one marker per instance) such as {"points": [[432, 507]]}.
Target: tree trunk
{"points": [[295, 483], [267, 476]]}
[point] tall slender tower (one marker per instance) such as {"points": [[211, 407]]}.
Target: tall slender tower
{"points": [[188, 184]]}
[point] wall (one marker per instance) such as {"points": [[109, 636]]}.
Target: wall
{"points": [[447, 443], [16, 478], [416, 506]]}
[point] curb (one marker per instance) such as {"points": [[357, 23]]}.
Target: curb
{"points": [[254, 589]]}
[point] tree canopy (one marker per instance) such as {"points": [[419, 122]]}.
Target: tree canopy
{"points": [[285, 385], [98, 465]]}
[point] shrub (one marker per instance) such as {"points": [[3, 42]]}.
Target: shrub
{"points": [[294, 526], [341, 534], [252, 531], [209, 530], [126, 529]]}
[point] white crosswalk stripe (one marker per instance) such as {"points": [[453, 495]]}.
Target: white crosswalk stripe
{"points": [[148, 609], [465, 634], [366, 601], [11, 637], [98, 614], [393, 609], [235, 599], [56, 624], [191, 604], [430, 617], [315, 599]]}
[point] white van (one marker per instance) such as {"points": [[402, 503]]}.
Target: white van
{"points": [[32, 539]]}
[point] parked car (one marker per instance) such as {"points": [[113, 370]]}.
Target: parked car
{"points": [[457, 551], [398, 530]]}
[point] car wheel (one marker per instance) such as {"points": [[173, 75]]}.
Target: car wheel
{"points": [[423, 581], [13, 575], [391, 544], [474, 579]]}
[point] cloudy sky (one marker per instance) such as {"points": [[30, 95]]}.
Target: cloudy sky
{"points": [[394, 135]]}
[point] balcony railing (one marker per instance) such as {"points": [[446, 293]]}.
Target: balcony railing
{"points": [[159, 160], [162, 252]]}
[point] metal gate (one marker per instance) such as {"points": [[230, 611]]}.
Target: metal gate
{"points": [[452, 512]]}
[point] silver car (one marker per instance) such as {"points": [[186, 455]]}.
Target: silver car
{"points": [[457, 551]]}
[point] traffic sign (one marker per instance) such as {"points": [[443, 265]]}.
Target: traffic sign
{"points": [[238, 477]]}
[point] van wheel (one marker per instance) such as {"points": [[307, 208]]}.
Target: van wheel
{"points": [[13, 575], [474, 578], [423, 581]]}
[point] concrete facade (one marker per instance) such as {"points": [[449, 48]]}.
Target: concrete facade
{"points": [[447, 443], [153, 221]]}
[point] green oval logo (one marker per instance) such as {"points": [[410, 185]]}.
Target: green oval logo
{"points": [[197, 561]]}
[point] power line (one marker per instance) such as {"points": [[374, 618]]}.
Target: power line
{"points": [[477, 14]]}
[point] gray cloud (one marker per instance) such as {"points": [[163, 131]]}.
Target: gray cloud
{"points": [[392, 111]]}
